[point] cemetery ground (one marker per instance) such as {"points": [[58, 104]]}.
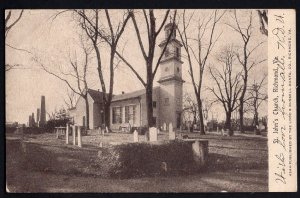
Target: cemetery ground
{"points": [[235, 164]]}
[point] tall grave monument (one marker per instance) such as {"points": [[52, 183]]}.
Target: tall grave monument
{"points": [[43, 112]]}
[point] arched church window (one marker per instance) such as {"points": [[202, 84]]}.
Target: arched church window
{"points": [[167, 52]]}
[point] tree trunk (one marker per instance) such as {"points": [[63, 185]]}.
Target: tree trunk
{"points": [[241, 112], [106, 114], [202, 130], [87, 108], [228, 123], [149, 105]]}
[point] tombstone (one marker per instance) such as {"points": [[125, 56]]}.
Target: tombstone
{"points": [[74, 134], [261, 127], [164, 127], [67, 134], [135, 136], [222, 132], [57, 130], [158, 131], [164, 166], [79, 135], [106, 129], [200, 150], [171, 132], [101, 144], [153, 134], [217, 129]]}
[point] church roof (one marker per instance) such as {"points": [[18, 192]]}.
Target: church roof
{"points": [[96, 95], [130, 95]]}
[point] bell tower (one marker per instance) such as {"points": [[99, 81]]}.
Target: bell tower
{"points": [[171, 81]]}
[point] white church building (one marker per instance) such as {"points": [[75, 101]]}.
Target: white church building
{"points": [[130, 108]]}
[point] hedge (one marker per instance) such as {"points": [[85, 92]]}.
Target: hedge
{"points": [[145, 159]]}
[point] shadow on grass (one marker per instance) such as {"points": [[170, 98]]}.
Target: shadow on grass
{"points": [[219, 162], [34, 157]]}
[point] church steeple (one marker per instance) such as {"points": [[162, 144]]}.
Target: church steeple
{"points": [[171, 79], [170, 64]]}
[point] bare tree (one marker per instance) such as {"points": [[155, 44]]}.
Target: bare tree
{"points": [[244, 58], [10, 23], [189, 111], [228, 84], [200, 53], [76, 77], [71, 99], [256, 97], [91, 24], [263, 19], [152, 33]]}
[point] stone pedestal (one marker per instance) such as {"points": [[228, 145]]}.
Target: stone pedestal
{"points": [[67, 134], [79, 136], [200, 150], [74, 134], [135, 136], [152, 134], [172, 135]]}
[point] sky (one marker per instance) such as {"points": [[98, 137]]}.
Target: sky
{"points": [[54, 39]]}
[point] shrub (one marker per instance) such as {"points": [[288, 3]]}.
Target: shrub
{"points": [[10, 129], [144, 159], [33, 130]]}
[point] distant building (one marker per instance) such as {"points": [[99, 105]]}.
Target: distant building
{"points": [[130, 108]]}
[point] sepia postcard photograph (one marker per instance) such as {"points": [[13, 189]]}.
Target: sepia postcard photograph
{"points": [[150, 100]]}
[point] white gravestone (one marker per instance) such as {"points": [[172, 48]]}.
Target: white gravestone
{"points": [[164, 127], [106, 129], [79, 136], [171, 132], [74, 134], [261, 127], [153, 134], [67, 134], [135, 136]]}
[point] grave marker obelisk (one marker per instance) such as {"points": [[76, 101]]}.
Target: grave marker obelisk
{"points": [[43, 112]]}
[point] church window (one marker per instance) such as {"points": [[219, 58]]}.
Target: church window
{"points": [[167, 101], [130, 114], [154, 104], [117, 115]]}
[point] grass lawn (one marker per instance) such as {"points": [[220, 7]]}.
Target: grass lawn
{"points": [[45, 164]]}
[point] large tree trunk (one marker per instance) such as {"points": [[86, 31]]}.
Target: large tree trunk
{"points": [[228, 123], [149, 106], [106, 114], [241, 112], [202, 130], [87, 115]]}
